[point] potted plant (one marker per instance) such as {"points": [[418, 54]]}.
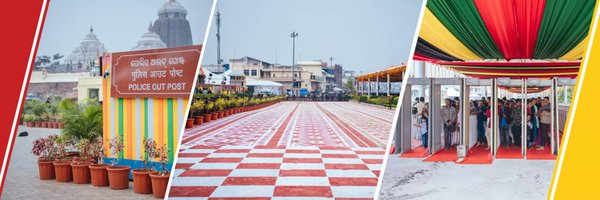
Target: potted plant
{"points": [[160, 179], [220, 104], [44, 120], [196, 111], [62, 165], [44, 148], [99, 175], [80, 167], [141, 177], [118, 176], [29, 119], [210, 107]]}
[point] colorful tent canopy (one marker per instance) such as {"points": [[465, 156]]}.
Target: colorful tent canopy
{"points": [[504, 30], [396, 74]]}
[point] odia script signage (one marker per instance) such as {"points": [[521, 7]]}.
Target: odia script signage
{"points": [[157, 73]]}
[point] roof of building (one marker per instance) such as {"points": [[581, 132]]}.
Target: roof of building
{"points": [[254, 82], [172, 6]]}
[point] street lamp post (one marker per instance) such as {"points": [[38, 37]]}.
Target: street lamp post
{"points": [[293, 36]]}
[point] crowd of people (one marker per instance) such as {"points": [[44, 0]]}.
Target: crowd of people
{"points": [[509, 115]]}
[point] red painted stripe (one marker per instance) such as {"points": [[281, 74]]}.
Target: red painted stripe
{"points": [[221, 160], [346, 166], [373, 161], [193, 155], [301, 151], [333, 148], [250, 181], [371, 152], [364, 113], [183, 165], [204, 147], [191, 191], [210, 130], [242, 198], [339, 156], [232, 151], [315, 172], [376, 172], [265, 155], [302, 160], [337, 181], [303, 191], [205, 173], [279, 133], [358, 138], [258, 166]]}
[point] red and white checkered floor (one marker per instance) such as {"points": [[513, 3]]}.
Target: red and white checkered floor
{"points": [[291, 150]]}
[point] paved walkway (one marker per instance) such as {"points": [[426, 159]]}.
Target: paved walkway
{"points": [[411, 178], [22, 179], [303, 150]]}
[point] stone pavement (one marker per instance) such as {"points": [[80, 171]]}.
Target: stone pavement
{"points": [[411, 178], [22, 179], [290, 150]]}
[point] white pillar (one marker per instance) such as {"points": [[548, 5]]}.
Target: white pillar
{"points": [[369, 87], [377, 86], [388, 85]]}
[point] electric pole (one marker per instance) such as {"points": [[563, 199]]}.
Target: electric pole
{"points": [[293, 36], [219, 61]]}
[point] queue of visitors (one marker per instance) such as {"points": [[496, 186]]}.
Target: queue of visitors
{"points": [[509, 113]]}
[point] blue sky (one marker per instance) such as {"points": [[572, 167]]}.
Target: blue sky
{"points": [[362, 35], [118, 24]]}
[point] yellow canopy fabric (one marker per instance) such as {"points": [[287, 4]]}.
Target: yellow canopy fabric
{"points": [[434, 32], [578, 51]]}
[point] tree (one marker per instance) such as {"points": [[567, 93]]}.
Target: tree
{"points": [[350, 86]]}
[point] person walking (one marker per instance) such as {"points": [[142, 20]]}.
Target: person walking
{"points": [[423, 129], [504, 137], [480, 111], [545, 121], [449, 120], [516, 123]]}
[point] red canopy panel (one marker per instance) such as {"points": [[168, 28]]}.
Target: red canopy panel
{"points": [[511, 64], [513, 25]]}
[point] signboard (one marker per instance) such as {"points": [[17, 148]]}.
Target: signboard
{"points": [[155, 73]]}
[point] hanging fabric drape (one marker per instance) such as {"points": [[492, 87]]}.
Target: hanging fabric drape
{"points": [[489, 34], [564, 25], [577, 52], [434, 32], [512, 24], [462, 19], [428, 50]]}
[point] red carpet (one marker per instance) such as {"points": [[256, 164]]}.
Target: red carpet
{"points": [[443, 155], [546, 154], [509, 153], [418, 152], [478, 155]]}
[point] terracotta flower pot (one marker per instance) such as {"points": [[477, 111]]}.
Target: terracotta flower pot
{"points": [[189, 123], [159, 184], [81, 173], [118, 177], [46, 169], [61, 125], [54, 124], [225, 113], [215, 116], [30, 124], [62, 171], [38, 124], [198, 120], [99, 175], [207, 117], [44, 124], [141, 181], [221, 113]]}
